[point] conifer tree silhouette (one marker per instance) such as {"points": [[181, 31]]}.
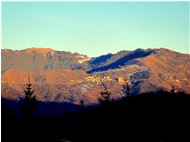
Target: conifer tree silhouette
{"points": [[30, 99], [126, 90], [105, 94], [82, 104]]}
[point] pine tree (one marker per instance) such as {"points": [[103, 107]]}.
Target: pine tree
{"points": [[126, 90], [105, 95], [30, 99]]}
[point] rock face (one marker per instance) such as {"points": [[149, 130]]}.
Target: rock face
{"points": [[60, 76]]}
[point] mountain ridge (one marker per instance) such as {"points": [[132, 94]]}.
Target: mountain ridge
{"points": [[37, 59], [70, 77]]}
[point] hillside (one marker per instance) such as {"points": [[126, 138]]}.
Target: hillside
{"points": [[169, 68], [59, 76], [40, 59]]}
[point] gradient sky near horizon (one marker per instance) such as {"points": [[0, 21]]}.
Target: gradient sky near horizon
{"points": [[96, 28]]}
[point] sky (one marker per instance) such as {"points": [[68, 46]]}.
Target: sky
{"points": [[96, 28]]}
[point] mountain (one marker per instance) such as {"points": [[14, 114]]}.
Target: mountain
{"points": [[121, 58], [59, 76], [44, 59], [38, 59]]}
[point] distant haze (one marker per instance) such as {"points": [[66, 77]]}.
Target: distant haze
{"points": [[96, 28]]}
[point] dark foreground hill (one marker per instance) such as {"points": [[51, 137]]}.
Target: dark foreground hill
{"points": [[154, 117]]}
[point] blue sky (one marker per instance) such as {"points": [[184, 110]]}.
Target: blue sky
{"points": [[96, 28]]}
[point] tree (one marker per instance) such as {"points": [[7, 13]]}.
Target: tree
{"points": [[126, 93], [172, 90], [125, 90], [82, 101], [30, 99], [81, 104], [105, 94]]}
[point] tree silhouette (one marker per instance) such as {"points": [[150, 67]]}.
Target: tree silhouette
{"points": [[82, 101], [30, 99], [105, 94], [126, 93], [81, 104], [172, 90], [126, 90]]}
